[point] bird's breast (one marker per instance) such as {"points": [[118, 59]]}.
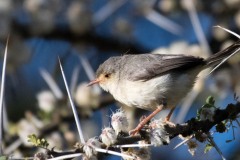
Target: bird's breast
{"points": [[150, 94]]}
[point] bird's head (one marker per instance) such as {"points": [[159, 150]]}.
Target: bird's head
{"points": [[107, 73]]}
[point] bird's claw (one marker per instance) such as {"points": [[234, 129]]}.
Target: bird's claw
{"points": [[133, 132], [166, 121]]}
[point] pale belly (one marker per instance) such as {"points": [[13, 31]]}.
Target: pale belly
{"points": [[166, 89]]}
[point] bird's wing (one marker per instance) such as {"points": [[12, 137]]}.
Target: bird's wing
{"points": [[146, 66]]}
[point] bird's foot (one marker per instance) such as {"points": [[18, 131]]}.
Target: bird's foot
{"points": [[166, 121], [144, 121], [133, 132], [139, 126]]}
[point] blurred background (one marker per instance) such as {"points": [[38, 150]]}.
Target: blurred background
{"points": [[84, 33]]}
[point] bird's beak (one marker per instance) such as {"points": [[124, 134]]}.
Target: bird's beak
{"points": [[93, 82]]}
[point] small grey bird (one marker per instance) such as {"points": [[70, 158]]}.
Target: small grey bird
{"points": [[149, 81]]}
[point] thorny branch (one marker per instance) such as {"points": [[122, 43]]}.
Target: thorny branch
{"points": [[193, 125], [188, 128]]}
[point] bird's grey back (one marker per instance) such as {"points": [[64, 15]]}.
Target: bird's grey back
{"points": [[146, 66]]}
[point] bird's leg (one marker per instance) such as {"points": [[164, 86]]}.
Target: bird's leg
{"points": [[169, 114], [145, 120]]}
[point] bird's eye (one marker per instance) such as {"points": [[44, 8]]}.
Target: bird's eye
{"points": [[107, 75]]}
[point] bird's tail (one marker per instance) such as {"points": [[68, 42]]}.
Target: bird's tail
{"points": [[221, 56]]}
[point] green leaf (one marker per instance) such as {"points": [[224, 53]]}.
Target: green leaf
{"points": [[198, 114], [210, 100], [208, 147], [33, 139], [37, 141]]}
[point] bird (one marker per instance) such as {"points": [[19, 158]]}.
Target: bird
{"points": [[154, 82]]}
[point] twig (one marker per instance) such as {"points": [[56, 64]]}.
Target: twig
{"points": [[106, 11], [197, 27], [113, 153], [13, 146], [73, 107], [224, 60], [69, 156], [163, 22], [51, 83], [74, 79], [183, 142], [2, 94], [132, 145], [227, 30], [210, 140], [89, 71], [192, 126]]}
